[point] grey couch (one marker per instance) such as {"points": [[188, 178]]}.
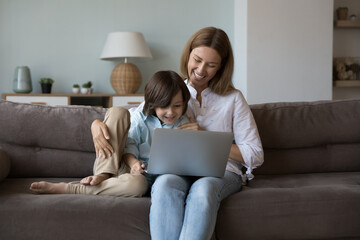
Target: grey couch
{"points": [[307, 188]]}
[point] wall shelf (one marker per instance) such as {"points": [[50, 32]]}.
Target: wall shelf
{"points": [[347, 83], [346, 45], [347, 24]]}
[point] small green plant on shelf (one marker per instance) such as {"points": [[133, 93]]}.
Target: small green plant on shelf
{"points": [[87, 85], [46, 81], [46, 84], [76, 88], [86, 88]]}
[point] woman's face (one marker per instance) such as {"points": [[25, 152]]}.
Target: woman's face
{"points": [[171, 113], [203, 64]]}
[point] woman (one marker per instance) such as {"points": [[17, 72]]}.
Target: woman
{"points": [[186, 207]]}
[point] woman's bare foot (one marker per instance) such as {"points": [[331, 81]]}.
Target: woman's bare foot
{"points": [[47, 187], [95, 180]]}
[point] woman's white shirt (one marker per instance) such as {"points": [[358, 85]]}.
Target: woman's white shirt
{"points": [[229, 113]]}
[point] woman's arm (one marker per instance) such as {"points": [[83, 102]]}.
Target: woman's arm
{"points": [[100, 134], [246, 136], [235, 154]]}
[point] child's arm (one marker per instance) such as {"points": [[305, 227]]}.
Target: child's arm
{"points": [[136, 166]]}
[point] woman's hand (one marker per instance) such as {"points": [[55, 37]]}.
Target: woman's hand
{"points": [[101, 135], [191, 125]]}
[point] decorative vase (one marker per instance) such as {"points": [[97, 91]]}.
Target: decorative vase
{"points": [[46, 87], [22, 80]]}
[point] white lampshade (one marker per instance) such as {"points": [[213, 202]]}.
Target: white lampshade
{"points": [[125, 45]]}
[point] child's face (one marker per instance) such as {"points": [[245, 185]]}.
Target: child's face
{"points": [[171, 113]]}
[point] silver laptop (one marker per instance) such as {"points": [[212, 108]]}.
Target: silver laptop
{"points": [[190, 153]]}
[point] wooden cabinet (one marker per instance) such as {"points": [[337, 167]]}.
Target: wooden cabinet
{"points": [[127, 100], [98, 100], [37, 99]]}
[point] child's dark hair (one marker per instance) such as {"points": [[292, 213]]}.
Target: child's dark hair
{"points": [[160, 90]]}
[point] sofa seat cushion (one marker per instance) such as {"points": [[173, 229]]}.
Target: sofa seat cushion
{"points": [[65, 216], [301, 206]]}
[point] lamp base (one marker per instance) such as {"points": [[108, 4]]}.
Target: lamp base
{"points": [[125, 78]]}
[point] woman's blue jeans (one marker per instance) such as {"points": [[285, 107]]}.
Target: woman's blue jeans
{"points": [[186, 207]]}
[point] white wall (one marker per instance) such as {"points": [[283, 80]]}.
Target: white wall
{"points": [[282, 48], [240, 46], [63, 39], [288, 50]]}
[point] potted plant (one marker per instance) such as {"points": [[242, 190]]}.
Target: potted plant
{"points": [[86, 88], [342, 13], [46, 84], [76, 88]]}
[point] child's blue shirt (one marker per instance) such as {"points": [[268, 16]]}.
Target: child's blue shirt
{"points": [[141, 132]]}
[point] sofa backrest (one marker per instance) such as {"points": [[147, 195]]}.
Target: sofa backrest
{"points": [[298, 137], [46, 141], [307, 137]]}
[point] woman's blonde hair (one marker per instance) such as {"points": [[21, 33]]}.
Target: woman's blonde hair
{"points": [[218, 40]]}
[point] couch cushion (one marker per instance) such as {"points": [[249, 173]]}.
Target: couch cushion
{"points": [[48, 141], [64, 216], [302, 206], [306, 137]]}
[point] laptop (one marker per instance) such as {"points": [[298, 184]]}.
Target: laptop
{"points": [[189, 153]]}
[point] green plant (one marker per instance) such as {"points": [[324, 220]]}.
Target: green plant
{"points": [[87, 85], [46, 81], [76, 86]]}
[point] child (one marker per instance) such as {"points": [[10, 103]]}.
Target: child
{"points": [[166, 97]]}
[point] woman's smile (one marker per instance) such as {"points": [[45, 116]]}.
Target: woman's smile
{"points": [[197, 76]]}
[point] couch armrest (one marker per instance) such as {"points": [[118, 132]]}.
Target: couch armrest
{"points": [[4, 165]]}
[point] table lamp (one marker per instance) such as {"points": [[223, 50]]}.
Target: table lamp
{"points": [[125, 77]]}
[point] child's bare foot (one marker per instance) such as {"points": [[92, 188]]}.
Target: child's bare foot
{"points": [[95, 180], [47, 187]]}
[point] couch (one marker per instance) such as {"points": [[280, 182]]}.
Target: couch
{"points": [[307, 188]]}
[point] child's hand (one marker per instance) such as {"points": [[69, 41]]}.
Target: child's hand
{"points": [[137, 168]]}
